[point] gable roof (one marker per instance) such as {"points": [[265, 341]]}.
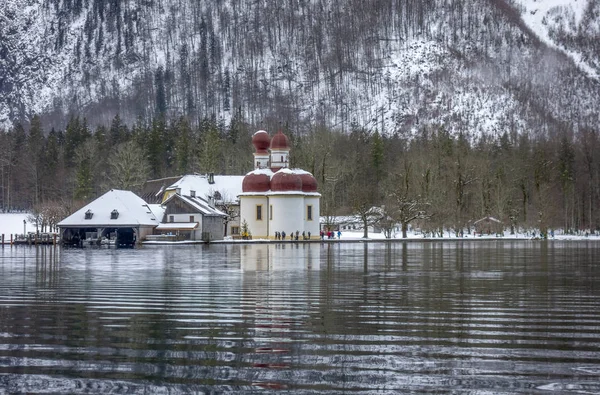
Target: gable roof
{"points": [[228, 186], [153, 190], [132, 211], [198, 204], [487, 219]]}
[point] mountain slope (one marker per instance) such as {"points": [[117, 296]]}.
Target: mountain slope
{"points": [[396, 65]]}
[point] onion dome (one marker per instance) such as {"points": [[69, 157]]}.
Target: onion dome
{"points": [[261, 141], [284, 181], [280, 142], [309, 183], [256, 182]]}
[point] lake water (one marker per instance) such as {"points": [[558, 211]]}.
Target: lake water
{"points": [[439, 317]]}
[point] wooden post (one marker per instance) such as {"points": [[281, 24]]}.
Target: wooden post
{"points": [[54, 239], [2, 239], [11, 239]]}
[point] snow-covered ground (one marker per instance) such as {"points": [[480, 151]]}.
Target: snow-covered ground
{"points": [[12, 223], [414, 236], [538, 15]]}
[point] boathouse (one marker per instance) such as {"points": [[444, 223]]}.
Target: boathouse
{"points": [[117, 217]]}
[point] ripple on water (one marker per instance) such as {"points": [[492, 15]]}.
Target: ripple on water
{"points": [[391, 318]]}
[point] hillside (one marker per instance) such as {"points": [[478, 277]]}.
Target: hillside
{"points": [[475, 66]]}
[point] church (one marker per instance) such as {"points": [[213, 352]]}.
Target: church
{"points": [[276, 199]]}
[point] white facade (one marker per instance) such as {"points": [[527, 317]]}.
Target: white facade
{"points": [[249, 210], [287, 214], [312, 206], [279, 158]]}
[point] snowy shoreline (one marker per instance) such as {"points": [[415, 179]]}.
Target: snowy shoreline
{"points": [[12, 223]]}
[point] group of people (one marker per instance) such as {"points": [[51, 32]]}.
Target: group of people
{"points": [[293, 236], [331, 234], [306, 235]]}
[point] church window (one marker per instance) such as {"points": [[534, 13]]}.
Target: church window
{"points": [[309, 215], [259, 212], [271, 212]]}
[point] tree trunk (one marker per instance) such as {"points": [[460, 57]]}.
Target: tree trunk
{"points": [[404, 229]]}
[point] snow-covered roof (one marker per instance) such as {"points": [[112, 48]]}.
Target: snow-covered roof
{"points": [[278, 193], [228, 186], [177, 226], [491, 219], [158, 210], [131, 210], [198, 203], [270, 173]]}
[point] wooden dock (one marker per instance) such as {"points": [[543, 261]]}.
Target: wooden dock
{"points": [[30, 239]]}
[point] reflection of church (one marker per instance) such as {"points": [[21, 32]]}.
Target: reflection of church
{"points": [[276, 198], [265, 256]]}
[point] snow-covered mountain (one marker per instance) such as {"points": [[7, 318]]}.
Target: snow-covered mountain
{"points": [[474, 66]]}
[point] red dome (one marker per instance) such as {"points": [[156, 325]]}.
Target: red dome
{"points": [[261, 141], [256, 183], [309, 183], [280, 142], [286, 181]]}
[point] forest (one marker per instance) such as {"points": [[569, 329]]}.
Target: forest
{"points": [[435, 181]]}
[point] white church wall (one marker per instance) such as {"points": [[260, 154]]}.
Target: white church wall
{"points": [[287, 214], [312, 225], [248, 209]]}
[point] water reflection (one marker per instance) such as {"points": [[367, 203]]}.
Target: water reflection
{"points": [[471, 317], [280, 256]]}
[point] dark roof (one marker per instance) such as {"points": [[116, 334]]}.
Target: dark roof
{"points": [[153, 190]]}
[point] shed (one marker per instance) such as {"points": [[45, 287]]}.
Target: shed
{"points": [[488, 226]]}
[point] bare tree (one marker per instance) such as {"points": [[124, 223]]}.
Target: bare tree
{"points": [[128, 167]]}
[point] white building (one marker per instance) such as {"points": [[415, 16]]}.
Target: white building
{"points": [[275, 198]]}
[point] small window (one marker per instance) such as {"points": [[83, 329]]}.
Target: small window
{"points": [[271, 213], [235, 230], [89, 214], [171, 218], [281, 158], [309, 216], [259, 212], [114, 214], [192, 218]]}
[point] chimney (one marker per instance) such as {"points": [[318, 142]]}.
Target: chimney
{"points": [[193, 193], [211, 178], [178, 191]]}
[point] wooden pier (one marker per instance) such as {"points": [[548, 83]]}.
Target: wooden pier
{"points": [[30, 239]]}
